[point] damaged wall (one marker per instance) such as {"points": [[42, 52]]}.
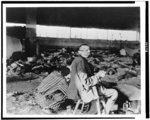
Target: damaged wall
{"points": [[94, 44], [72, 37], [13, 44]]}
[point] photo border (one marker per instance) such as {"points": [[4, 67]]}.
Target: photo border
{"points": [[144, 34]]}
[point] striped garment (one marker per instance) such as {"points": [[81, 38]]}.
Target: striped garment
{"points": [[53, 85]]}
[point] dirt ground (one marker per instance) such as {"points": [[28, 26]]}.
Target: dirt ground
{"points": [[21, 101]]}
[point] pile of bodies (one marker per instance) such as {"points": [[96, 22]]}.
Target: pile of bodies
{"points": [[123, 70], [45, 62]]}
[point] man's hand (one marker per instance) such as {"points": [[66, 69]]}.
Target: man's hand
{"points": [[86, 87], [101, 74]]}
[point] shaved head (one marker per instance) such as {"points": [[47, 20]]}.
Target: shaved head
{"points": [[82, 46]]}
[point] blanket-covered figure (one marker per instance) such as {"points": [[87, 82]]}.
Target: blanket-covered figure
{"points": [[53, 89]]}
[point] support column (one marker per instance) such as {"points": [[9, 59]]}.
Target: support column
{"points": [[31, 30], [37, 47]]}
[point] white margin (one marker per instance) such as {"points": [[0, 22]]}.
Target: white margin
{"points": [[140, 4]]}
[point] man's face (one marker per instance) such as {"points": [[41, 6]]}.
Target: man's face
{"points": [[84, 51]]}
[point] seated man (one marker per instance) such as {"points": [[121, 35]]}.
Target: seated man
{"points": [[53, 89], [82, 77]]}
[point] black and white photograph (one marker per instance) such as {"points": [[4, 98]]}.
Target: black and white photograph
{"points": [[74, 60]]}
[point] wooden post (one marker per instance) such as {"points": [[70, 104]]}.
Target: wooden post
{"points": [[31, 29], [37, 47]]}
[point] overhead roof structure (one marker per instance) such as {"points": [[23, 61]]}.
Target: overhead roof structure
{"points": [[124, 18]]}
